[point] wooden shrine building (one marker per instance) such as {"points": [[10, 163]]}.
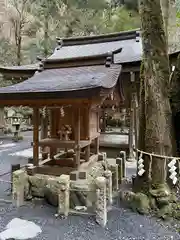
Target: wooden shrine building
{"points": [[72, 94], [84, 47], [126, 51]]}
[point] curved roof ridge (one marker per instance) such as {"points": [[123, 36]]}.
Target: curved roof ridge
{"points": [[124, 35]]}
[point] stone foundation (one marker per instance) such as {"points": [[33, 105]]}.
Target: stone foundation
{"points": [[89, 187]]}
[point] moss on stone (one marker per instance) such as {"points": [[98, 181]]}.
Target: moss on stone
{"points": [[160, 190], [138, 202], [152, 203], [162, 201], [141, 203], [173, 198], [165, 212]]}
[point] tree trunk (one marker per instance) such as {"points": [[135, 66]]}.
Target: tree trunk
{"points": [[169, 16], [19, 46], [175, 100], [142, 183], [155, 108], [165, 5], [46, 37]]}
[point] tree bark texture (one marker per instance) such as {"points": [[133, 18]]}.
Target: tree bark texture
{"points": [[46, 37], [169, 17], [175, 102], [155, 112]]}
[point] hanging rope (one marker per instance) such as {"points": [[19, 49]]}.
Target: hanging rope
{"points": [[156, 155]]}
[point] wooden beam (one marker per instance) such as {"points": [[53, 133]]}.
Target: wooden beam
{"points": [[36, 136], [70, 144], [49, 102], [55, 171]]}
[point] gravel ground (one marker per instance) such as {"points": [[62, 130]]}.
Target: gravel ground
{"points": [[122, 223]]}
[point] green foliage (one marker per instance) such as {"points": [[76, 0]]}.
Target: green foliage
{"points": [[121, 19], [178, 5], [43, 20], [7, 52], [87, 4]]}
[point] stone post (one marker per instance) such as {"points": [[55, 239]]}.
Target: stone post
{"points": [[114, 168], [108, 176], [105, 159], [123, 156], [120, 168], [63, 196], [101, 202], [18, 187], [117, 177]]}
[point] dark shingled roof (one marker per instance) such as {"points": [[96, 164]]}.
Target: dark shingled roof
{"points": [[82, 48], [95, 45], [64, 83]]}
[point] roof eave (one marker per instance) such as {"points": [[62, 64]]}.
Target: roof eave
{"points": [[10, 99]]}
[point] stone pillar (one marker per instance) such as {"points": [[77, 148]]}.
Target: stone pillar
{"points": [[120, 167], [18, 187], [31, 170], [114, 168], [104, 154], [108, 176], [116, 177], [101, 202], [123, 156], [63, 197]]}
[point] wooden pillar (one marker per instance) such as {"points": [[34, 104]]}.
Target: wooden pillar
{"points": [[131, 127], [97, 139], [136, 124], [53, 132], [103, 128], [44, 131], [2, 120], [87, 153], [87, 126], [35, 136], [77, 126]]}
